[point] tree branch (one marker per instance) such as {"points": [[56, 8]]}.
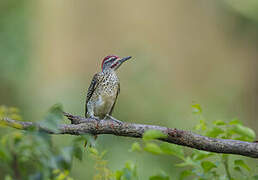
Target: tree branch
{"points": [[82, 125]]}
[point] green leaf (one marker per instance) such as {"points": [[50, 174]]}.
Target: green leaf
{"points": [[160, 176], [129, 172], [199, 155], [118, 174], [53, 118], [135, 147], [237, 169], [219, 123], [214, 132], [93, 150], [3, 111], [8, 177], [196, 109], [201, 126], [153, 134], [187, 162], [2, 155], [67, 154], [130, 165], [234, 122], [207, 166], [153, 148], [128, 175], [57, 109], [103, 153], [185, 174], [244, 131], [78, 153], [242, 164], [172, 149]]}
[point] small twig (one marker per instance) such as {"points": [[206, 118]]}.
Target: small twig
{"points": [[15, 167], [225, 163]]}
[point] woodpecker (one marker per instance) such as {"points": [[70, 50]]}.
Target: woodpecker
{"points": [[104, 89]]}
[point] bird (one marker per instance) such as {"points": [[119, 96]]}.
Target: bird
{"points": [[104, 89]]}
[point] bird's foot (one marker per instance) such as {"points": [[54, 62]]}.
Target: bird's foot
{"points": [[95, 117], [108, 117]]}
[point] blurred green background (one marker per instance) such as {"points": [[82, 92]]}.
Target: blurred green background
{"points": [[183, 52]]}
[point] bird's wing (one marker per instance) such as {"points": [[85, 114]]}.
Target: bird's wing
{"points": [[93, 85], [118, 91]]}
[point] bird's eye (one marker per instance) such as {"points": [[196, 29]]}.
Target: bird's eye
{"points": [[111, 59]]}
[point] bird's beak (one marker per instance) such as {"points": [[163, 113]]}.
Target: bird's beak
{"points": [[120, 61], [124, 59]]}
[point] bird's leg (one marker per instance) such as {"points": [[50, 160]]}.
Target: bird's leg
{"points": [[108, 117]]}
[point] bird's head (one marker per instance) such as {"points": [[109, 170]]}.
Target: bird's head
{"points": [[113, 62]]}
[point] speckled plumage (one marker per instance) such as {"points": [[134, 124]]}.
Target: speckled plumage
{"points": [[102, 94]]}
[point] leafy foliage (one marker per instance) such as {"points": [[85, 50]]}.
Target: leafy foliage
{"points": [[153, 134], [32, 155], [200, 164], [129, 172]]}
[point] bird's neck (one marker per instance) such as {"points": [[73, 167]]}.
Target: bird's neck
{"points": [[109, 71]]}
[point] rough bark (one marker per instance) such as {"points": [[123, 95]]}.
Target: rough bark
{"points": [[82, 125]]}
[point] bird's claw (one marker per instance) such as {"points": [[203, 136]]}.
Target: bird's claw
{"points": [[108, 117], [94, 117]]}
